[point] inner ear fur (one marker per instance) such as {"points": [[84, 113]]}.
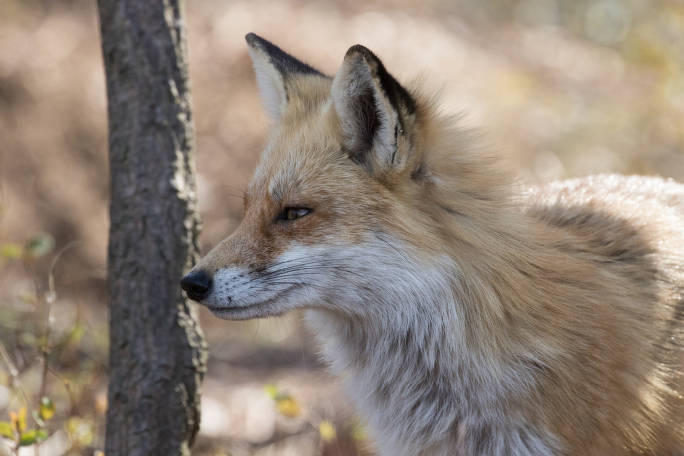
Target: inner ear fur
{"points": [[275, 72], [374, 111]]}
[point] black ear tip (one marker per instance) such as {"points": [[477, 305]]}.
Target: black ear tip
{"points": [[253, 39], [361, 51], [280, 59]]}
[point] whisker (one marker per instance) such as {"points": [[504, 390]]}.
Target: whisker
{"points": [[306, 270], [308, 266]]}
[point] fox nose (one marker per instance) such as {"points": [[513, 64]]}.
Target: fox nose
{"points": [[196, 284]]}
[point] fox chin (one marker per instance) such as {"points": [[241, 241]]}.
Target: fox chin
{"points": [[466, 315]]}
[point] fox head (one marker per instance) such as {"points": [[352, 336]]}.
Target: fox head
{"points": [[340, 207]]}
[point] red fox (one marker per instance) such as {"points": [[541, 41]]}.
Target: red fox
{"points": [[466, 315]]}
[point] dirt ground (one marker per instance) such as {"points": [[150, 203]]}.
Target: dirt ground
{"points": [[558, 88]]}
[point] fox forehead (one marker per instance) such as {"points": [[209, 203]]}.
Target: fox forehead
{"points": [[302, 151]]}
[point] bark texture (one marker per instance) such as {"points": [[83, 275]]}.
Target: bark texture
{"points": [[157, 352]]}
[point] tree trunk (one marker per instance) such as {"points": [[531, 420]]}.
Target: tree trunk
{"points": [[157, 353]]}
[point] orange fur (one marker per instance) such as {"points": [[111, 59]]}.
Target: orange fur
{"points": [[561, 328]]}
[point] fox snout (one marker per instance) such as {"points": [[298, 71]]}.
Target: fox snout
{"points": [[197, 284]]}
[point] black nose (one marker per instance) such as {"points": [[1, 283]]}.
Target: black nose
{"points": [[196, 284]]}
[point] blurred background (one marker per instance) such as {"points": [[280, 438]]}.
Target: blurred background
{"points": [[560, 88]]}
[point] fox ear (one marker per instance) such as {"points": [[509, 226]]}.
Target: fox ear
{"points": [[374, 111], [274, 70]]}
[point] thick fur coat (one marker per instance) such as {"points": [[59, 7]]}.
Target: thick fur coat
{"points": [[466, 314]]}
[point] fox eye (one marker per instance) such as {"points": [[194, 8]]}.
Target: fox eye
{"points": [[293, 213]]}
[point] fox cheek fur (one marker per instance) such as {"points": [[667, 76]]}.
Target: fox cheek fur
{"points": [[466, 316]]}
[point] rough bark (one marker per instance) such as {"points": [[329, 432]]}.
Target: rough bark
{"points": [[157, 351]]}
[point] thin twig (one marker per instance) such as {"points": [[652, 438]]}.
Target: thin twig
{"points": [[50, 298]]}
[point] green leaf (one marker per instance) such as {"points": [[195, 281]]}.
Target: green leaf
{"points": [[6, 429], [28, 438], [271, 390], [47, 408], [39, 245], [33, 436], [11, 251]]}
